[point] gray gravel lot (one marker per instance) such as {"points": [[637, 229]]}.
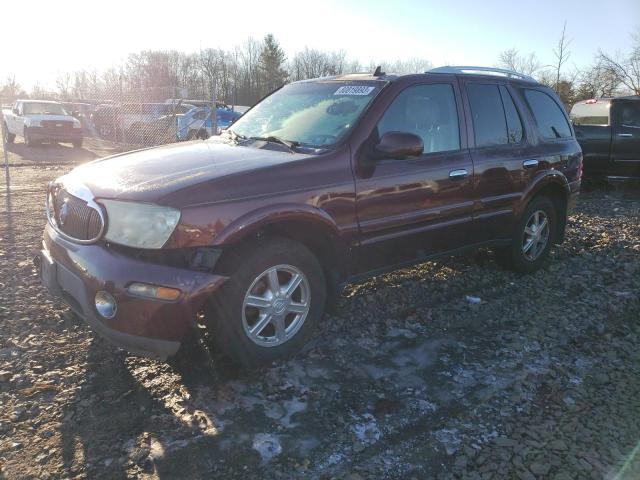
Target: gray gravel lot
{"points": [[410, 380]]}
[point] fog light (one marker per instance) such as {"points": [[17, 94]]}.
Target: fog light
{"points": [[105, 304], [153, 291]]}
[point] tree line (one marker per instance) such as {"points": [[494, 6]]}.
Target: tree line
{"points": [[244, 74]]}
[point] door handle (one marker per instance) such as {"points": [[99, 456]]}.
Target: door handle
{"points": [[458, 174], [625, 135], [530, 163]]}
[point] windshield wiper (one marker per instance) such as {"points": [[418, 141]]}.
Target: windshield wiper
{"points": [[235, 136], [290, 144]]}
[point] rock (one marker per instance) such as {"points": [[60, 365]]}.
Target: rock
{"points": [[558, 444], [505, 442], [5, 375], [539, 468]]}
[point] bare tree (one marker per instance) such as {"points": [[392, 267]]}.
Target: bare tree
{"points": [[625, 69], [63, 84], [513, 60], [562, 54]]}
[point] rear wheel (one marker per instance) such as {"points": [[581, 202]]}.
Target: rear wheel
{"points": [[272, 302], [8, 137], [532, 241]]}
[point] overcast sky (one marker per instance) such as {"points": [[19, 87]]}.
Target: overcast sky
{"points": [[42, 39]]}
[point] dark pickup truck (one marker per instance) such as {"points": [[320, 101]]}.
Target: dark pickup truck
{"points": [[608, 130]]}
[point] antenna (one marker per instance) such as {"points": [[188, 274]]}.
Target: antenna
{"points": [[378, 72]]}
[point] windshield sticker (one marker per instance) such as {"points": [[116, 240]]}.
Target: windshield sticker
{"points": [[354, 90]]}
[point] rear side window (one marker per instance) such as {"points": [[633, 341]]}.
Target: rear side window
{"points": [[489, 122], [630, 114], [551, 122], [514, 124]]}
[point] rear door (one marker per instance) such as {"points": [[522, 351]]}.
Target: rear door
{"points": [[625, 147], [504, 158], [412, 207]]}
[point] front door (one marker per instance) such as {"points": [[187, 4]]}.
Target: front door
{"points": [[410, 208], [625, 148]]}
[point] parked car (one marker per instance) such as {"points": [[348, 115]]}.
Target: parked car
{"points": [[81, 111], [197, 122], [106, 121], [133, 121], [608, 130], [41, 121], [323, 183]]}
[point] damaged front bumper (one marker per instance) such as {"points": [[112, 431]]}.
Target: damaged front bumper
{"points": [[143, 326]]}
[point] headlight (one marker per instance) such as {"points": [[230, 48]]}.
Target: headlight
{"points": [[33, 123], [77, 124], [139, 225]]}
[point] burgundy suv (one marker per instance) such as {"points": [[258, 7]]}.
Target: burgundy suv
{"points": [[324, 182]]}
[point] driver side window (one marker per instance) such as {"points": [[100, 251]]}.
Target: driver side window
{"points": [[428, 111]]}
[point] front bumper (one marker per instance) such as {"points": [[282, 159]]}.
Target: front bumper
{"points": [[143, 326], [54, 135]]}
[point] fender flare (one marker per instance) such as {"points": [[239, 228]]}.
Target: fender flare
{"points": [[256, 220], [543, 179]]}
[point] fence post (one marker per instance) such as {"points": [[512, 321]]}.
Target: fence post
{"points": [[214, 112], [6, 155]]}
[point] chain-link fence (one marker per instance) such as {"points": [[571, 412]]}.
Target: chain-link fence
{"points": [[130, 119]]}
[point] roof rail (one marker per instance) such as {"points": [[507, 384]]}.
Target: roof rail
{"points": [[470, 70]]}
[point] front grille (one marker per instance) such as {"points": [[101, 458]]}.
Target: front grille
{"points": [[75, 217], [57, 126]]}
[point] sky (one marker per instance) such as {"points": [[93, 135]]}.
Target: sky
{"points": [[43, 39]]}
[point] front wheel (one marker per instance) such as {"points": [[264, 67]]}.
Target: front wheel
{"points": [[8, 137], [28, 138], [272, 302], [532, 241]]}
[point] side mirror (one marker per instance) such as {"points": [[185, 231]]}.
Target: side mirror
{"points": [[399, 145], [15, 111]]}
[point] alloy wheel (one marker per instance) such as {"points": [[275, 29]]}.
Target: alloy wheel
{"points": [[536, 235], [276, 305]]}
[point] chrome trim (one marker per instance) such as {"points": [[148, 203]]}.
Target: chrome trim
{"points": [[458, 174], [82, 192], [530, 163], [625, 135], [470, 70]]}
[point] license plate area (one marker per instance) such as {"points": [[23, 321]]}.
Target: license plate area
{"points": [[48, 273]]}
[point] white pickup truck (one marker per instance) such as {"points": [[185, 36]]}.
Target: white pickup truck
{"points": [[40, 120]]}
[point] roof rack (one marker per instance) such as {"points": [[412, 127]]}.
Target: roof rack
{"points": [[470, 70]]}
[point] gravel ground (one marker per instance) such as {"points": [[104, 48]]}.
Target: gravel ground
{"points": [[413, 379]]}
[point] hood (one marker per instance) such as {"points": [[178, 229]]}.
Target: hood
{"points": [[154, 174]]}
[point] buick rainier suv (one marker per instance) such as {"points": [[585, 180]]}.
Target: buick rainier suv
{"points": [[325, 182]]}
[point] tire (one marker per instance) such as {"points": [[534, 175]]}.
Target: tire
{"points": [[203, 134], [28, 139], [531, 245], [8, 137], [77, 143], [191, 135], [249, 268], [105, 130]]}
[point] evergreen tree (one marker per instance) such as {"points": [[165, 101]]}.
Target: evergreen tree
{"points": [[272, 65]]}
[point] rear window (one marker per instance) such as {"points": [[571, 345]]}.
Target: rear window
{"points": [[489, 122], [514, 124], [591, 112], [552, 124]]}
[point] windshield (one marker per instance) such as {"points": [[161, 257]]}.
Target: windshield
{"points": [[31, 108], [315, 113]]}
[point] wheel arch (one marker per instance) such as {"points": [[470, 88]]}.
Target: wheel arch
{"points": [[306, 224], [555, 186]]}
